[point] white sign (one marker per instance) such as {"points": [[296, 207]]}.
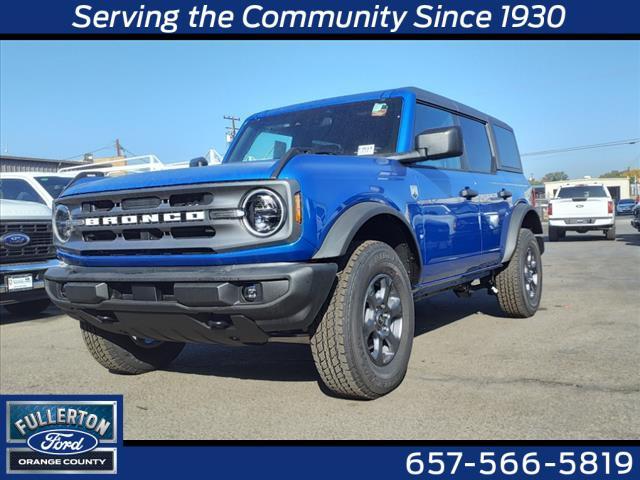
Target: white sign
{"points": [[19, 282]]}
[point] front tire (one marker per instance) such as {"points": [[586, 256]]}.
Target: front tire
{"points": [[126, 355], [519, 284], [362, 343]]}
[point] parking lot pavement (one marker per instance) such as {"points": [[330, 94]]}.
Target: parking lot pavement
{"points": [[572, 371]]}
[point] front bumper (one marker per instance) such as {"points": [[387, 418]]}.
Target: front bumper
{"points": [[195, 304], [36, 292]]}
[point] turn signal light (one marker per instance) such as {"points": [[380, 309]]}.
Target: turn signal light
{"points": [[550, 209], [297, 207], [610, 210]]}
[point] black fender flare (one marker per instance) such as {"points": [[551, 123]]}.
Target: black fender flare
{"points": [[345, 228], [516, 220]]}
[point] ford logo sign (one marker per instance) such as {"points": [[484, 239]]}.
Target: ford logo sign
{"points": [[62, 442], [14, 240]]}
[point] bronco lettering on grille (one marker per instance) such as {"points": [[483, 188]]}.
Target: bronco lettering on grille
{"points": [[146, 218]]}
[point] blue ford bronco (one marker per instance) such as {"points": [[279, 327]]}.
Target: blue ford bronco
{"points": [[323, 224]]}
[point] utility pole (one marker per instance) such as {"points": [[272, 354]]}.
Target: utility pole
{"points": [[118, 148], [231, 131]]}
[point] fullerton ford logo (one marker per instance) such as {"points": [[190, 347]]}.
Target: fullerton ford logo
{"points": [[62, 434], [62, 442], [146, 218], [14, 240]]}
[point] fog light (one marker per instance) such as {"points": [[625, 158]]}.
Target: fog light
{"points": [[250, 293]]}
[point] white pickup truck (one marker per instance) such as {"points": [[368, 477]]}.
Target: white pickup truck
{"points": [[581, 208], [26, 252]]}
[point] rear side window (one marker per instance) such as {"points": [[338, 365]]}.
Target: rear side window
{"points": [[507, 149], [476, 145], [427, 118], [586, 191], [16, 189]]}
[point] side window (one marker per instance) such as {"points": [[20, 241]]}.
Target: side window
{"points": [[268, 146], [427, 118], [507, 148], [16, 189], [476, 145]]}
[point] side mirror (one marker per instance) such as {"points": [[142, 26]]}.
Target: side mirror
{"points": [[437, 143], [198, 162]]}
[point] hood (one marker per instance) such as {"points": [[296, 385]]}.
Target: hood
{"points": [[226, 172], [19, 210]]}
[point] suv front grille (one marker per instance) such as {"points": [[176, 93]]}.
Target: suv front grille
{"points": [[39, 248], [171, 220]]}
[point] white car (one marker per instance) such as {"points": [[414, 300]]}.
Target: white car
{"points": [[26, 252], [37, 187], [581, 208]]}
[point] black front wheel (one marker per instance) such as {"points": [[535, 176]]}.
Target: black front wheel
{"points": [[362, 343], [128, 355]]}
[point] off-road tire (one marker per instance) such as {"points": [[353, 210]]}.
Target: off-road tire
{"points": [[510, 282], [611, 233], [338, 344], [28, 308], [555, 234], [120, 354]]}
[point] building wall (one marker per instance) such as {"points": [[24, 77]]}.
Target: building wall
{"points": [[618, 187], [13, 164]]}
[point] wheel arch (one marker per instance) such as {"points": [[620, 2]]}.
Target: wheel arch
{"points": [[522, 216], [371, 221]]}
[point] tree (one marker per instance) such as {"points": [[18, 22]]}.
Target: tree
{"points": [[613, 174], [555, 176]]}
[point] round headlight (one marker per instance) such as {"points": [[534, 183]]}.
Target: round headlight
{"points": [[62, 225], [263, 212]]}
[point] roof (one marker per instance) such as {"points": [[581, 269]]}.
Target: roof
{"points": [[35, 159], [408, 93]]}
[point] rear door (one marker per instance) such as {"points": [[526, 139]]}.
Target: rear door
{"points": [[452, 241], [495, 191]]}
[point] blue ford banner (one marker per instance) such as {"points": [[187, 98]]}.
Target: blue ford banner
{"points": [[317, 18]]}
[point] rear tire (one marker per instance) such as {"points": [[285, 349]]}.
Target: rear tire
{"points": [[362, 343], [555, 234], [28, 308], [611, 233], [519, 284], [122, 354]]}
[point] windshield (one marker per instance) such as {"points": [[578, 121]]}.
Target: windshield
{"points": [[54, 185], [627, 201], [585, 191], [359, 128]]}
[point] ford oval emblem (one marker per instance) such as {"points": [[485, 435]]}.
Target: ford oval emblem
{"points": [[62, 442], [14, 240]]}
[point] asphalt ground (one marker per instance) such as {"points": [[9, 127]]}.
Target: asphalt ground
{"points": [[570, 372]]}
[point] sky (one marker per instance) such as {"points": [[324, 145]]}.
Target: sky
{"points": [[60, 99]]}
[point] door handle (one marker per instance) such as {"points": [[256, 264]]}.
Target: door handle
{"points": [[468, 193], [504, 194]]}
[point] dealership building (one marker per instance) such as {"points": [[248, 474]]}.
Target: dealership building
{"points": [[618, 187], [10, 163]]}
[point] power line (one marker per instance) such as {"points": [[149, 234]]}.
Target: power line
{"points": [[631, 141], [91, 151]]}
